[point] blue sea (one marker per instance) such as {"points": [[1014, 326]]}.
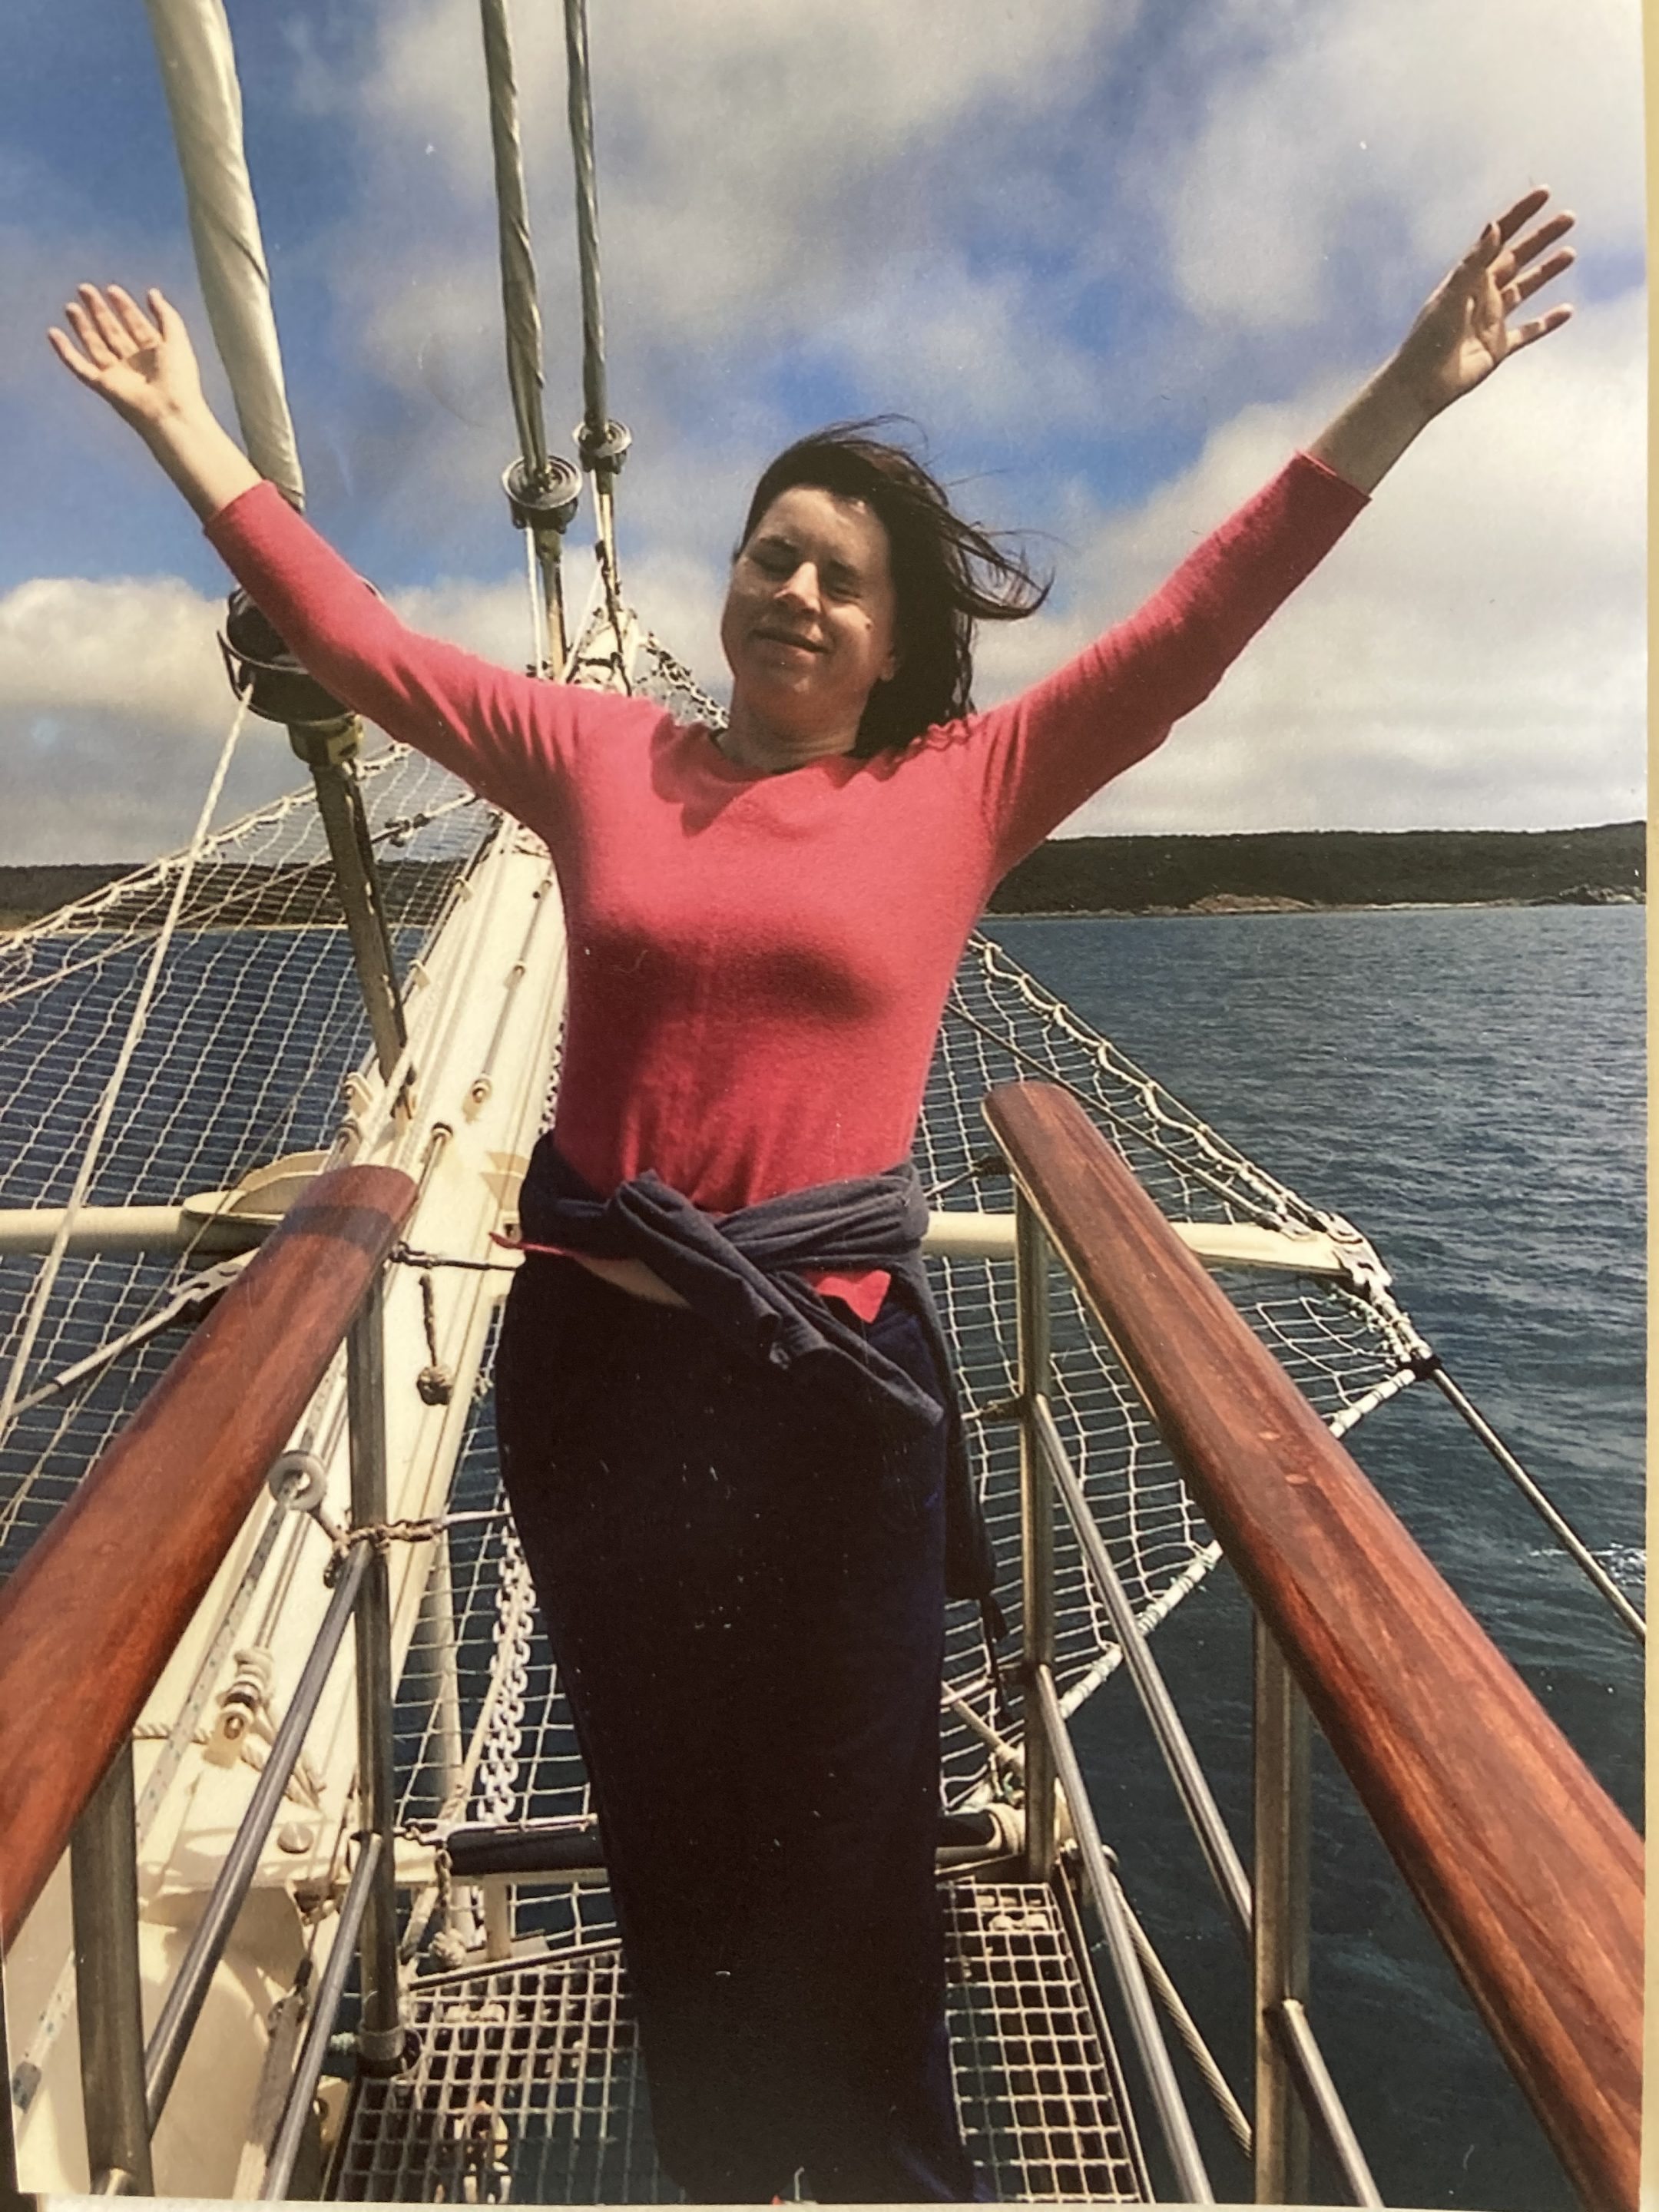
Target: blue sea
{"points": [[1467, 1085]]}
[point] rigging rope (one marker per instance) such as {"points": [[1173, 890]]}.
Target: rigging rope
{"points": [[136, 1027], [541, 489], [603, 442], [522, 316], [596, 426]]}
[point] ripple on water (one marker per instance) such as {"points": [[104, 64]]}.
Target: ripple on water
{"points": [[1468, 1086]]}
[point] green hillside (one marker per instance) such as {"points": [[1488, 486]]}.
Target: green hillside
{"points": [[1328, 867]]}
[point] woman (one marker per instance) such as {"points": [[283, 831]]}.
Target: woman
{"points": [[726, 1428]]}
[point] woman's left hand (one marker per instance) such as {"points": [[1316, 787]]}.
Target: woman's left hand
{"points": [[1464, 331], [1461, 337]]}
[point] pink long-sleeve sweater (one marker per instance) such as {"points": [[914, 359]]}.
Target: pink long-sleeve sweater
{"points": [[759, 962]]}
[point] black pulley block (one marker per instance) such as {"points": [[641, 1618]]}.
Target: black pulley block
{"points": [[544, 503], [257, 661]]}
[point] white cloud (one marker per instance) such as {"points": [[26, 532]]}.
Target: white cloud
{"points": [[942, 341], [143, 644], [113, 705], [762, 172], [1471, 655], [677, 597], [1367, 142], [113, 702], [896, 207]]}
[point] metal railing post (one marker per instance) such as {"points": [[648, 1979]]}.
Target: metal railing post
{"points": [[1036, 1532], [10, 2191], [1173, 2120], [379, 2033], [1197, 1798], [325, 2004], [1280, 1946], [109, 1989], [184, 2000]]}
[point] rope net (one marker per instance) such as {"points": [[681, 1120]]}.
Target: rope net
{"points": [[255, 1020]]}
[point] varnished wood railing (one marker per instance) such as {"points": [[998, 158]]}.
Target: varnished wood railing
{"points": [[88, 1621], [1528, 1873]]}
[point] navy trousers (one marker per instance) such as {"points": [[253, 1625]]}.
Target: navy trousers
{"points": [[743, 1581]]}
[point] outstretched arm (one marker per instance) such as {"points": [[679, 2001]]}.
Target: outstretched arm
{"points": [[500, 732], [1046, 752]]}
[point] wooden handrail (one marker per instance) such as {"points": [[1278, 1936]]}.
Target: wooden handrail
{"points": [[1528, 1873], [89, 1620]]}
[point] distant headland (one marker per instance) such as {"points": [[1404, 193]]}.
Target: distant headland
{"points": [[1294, 871], [1281, 871]]}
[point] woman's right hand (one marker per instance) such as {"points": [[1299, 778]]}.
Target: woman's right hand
{"points": [[144, 365]]}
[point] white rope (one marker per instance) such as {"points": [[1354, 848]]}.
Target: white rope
{"points": [[584, 629], [49, 1273], [538, 648]]}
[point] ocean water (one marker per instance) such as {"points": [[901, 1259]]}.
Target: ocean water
{"points": [[1467, 1085]]}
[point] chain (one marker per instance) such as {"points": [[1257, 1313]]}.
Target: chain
{"points": [[498, 1770], [678, 677]]}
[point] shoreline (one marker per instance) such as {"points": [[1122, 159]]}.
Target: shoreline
{"points": [[1201, 874], [1225, 910], [1294, 872]]}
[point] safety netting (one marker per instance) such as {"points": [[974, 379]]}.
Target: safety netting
{"points": [[253, 1020]]}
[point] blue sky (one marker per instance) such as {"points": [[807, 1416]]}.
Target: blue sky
{"points": [[1117, 260]]}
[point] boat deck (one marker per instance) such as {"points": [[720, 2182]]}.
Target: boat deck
{"points": [[528, 2089]]}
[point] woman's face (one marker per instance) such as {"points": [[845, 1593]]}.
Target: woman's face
{"points": [[810, 615]]}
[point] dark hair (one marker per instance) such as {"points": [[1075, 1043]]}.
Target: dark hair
{"points": [[948, 573]]}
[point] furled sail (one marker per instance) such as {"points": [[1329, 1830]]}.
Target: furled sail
{"points": [[198, 73]]}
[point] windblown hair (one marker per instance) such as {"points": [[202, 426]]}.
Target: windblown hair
{"points": [[948, 573]]}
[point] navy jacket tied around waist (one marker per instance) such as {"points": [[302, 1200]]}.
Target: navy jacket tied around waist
{"points": [[744, 1273]]}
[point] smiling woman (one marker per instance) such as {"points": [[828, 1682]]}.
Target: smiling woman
{"points": [[809, 630], [894, 546], [726, 1431]]}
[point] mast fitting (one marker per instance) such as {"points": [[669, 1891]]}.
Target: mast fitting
{"points": [[605, 449], [277, 687], [545, 499]]}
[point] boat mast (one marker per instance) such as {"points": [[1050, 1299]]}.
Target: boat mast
{"points": [[198, 72], [205, 100]]}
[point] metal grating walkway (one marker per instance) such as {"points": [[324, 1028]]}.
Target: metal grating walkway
{"points": [[1041, 2098], [528, 2089]]}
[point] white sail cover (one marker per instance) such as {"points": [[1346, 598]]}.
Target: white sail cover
{"points": [[198, 73]]}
